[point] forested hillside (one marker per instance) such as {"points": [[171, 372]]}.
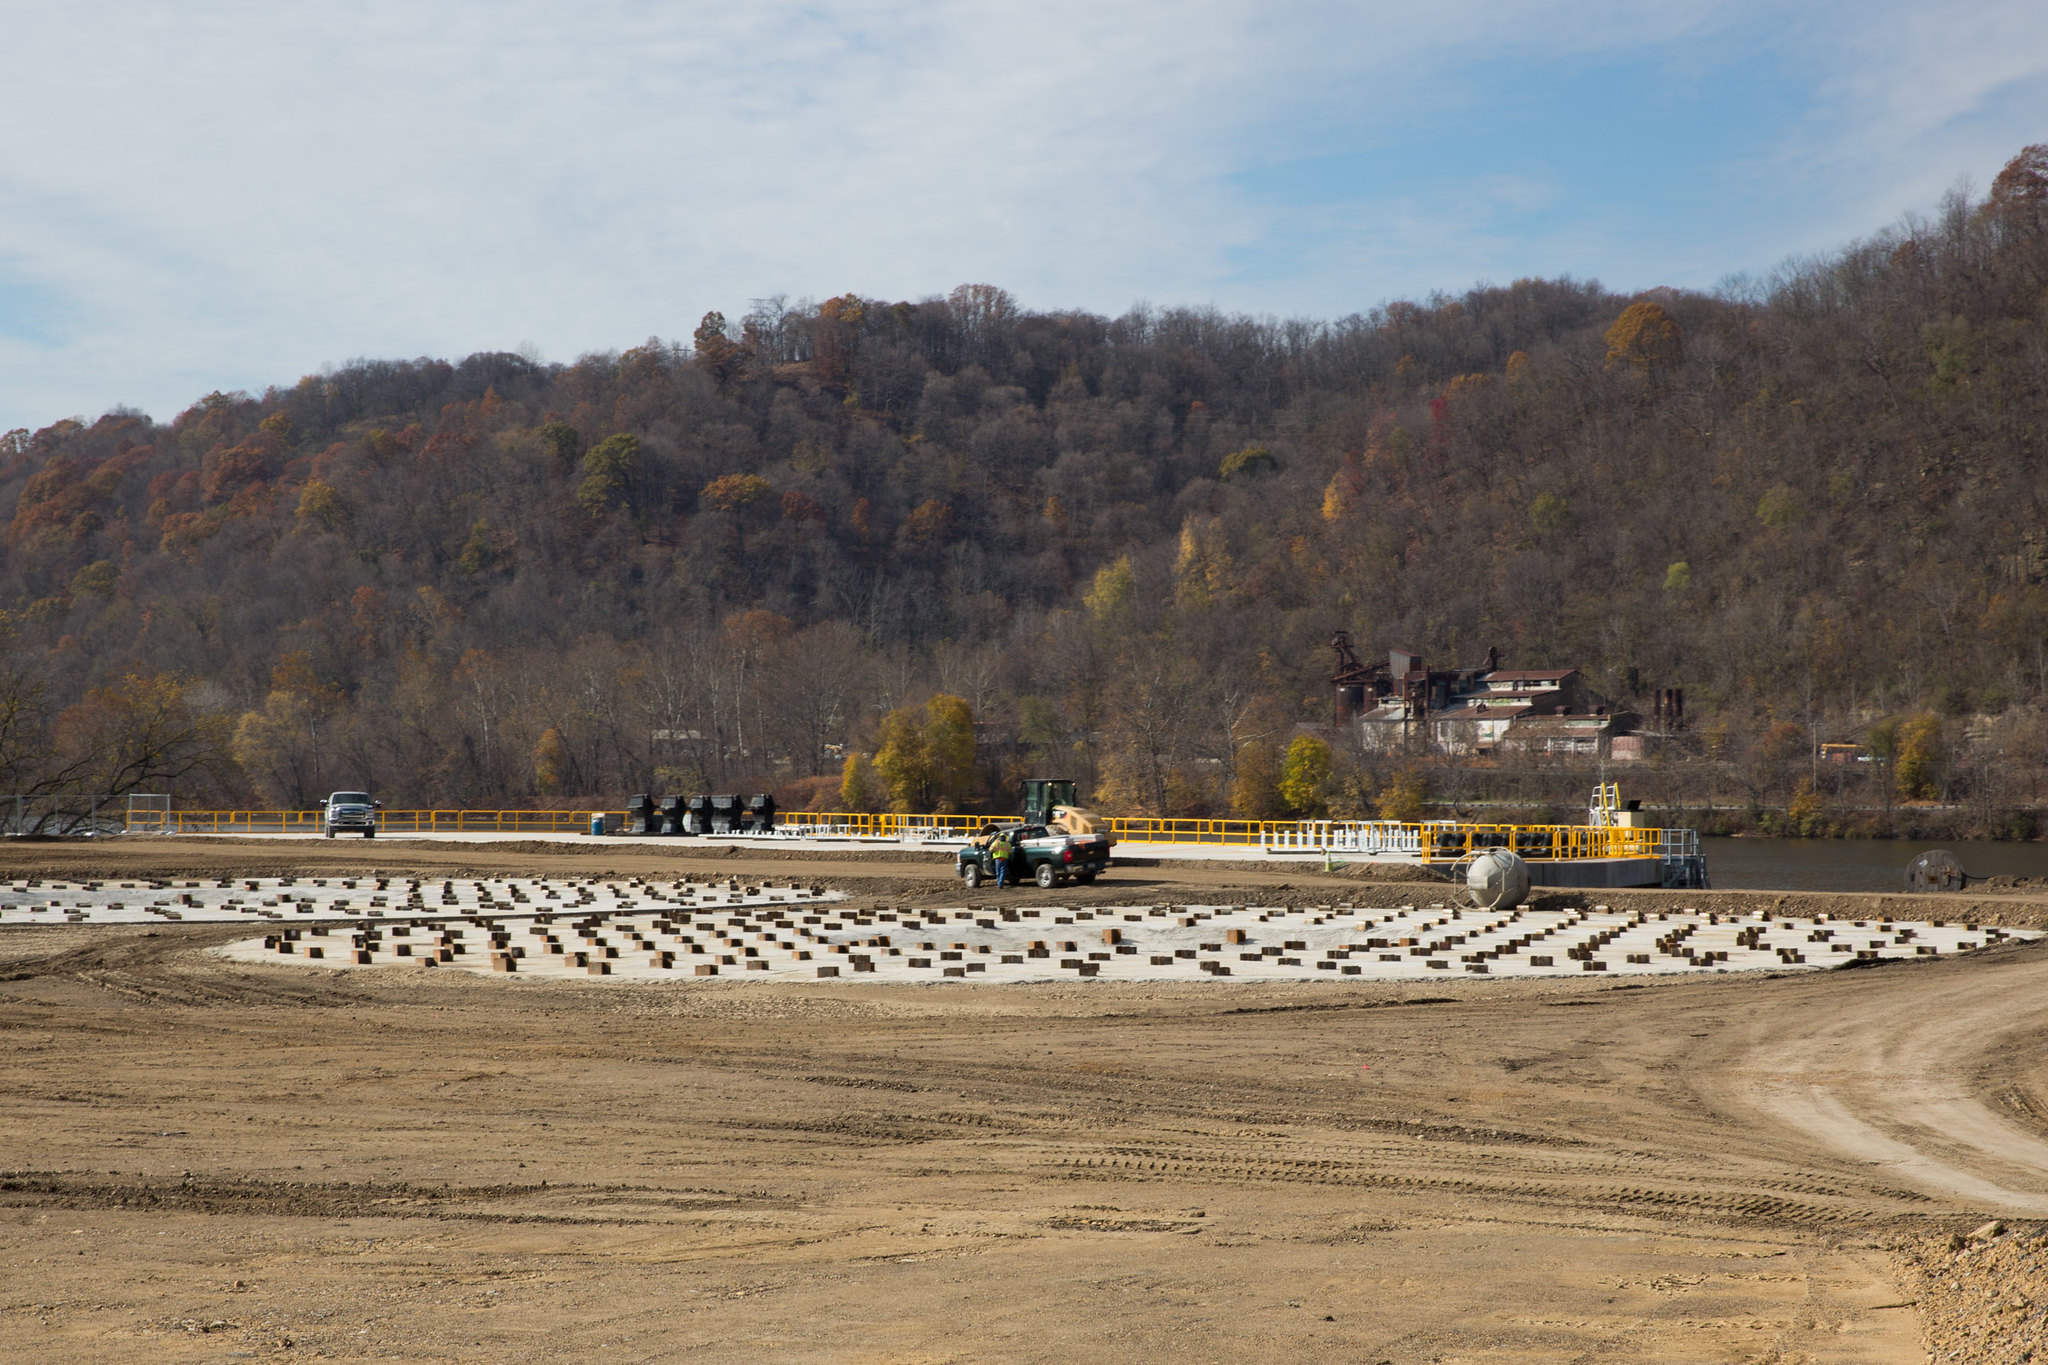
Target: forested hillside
{"points": [[1817, 505]]}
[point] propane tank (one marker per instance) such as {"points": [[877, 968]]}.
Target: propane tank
{"points": [[1497, 879]]}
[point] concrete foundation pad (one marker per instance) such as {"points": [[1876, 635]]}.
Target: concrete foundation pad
{"points": [[777, 941]]}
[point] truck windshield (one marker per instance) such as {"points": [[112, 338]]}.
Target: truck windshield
{"points": [[349, 799]]}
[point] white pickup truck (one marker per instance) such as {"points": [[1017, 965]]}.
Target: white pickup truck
{"points": [[350, 811]]}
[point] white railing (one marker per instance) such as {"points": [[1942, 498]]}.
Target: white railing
{"points": [[1371, 838]]}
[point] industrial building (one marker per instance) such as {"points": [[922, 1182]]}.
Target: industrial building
{"points": [[1404, 705]]}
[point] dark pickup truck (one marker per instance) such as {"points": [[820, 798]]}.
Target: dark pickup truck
{"points": [[1046, 856]]}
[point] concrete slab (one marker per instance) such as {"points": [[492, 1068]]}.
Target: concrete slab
{"points": [[648, 933]]}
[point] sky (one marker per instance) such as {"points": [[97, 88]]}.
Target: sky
{"points": [[227, 195]]}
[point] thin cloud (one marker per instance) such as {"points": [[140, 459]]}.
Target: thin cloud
{"points": [[227, 195]]}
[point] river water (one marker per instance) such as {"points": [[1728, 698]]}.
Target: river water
{"points": [[1853, 864]]}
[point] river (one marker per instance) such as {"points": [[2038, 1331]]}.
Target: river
{"points": [[1853, 864]]}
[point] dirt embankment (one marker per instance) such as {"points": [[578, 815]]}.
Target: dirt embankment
{"points": [[1982, 1299]]}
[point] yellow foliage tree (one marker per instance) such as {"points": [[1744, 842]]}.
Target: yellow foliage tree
{"points": [[1255, 795], [734, 492], [926, 757], [1346, 489], [1645, 339], [859, 789], [1916, 749], [1115, 584], [1406, 798], [1203, 568], [550, 758], [1305, 777], [321, 507]]}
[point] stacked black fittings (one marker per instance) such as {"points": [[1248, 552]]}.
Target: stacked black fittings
{"points": [[700, 814]]}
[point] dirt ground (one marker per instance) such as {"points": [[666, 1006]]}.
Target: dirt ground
{"points": [[203, 1161]]}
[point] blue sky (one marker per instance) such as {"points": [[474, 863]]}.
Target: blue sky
{"points": [[228, 195]]}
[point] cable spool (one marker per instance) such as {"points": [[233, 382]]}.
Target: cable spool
{"points": [[1497, 879], [1936, 870]]}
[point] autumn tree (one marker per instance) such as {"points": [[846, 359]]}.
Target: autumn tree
{"points": [[2022, 186], [1645, 340], [719, 355], [284, 746], [1255, 792], [608, 471], [1405, 797], [550, 759], [860, 788], [1916, 753], [926, 756], [141, 732], [321, 507], [561, 441], [736, 495], [1305, 777], [835, 335]]}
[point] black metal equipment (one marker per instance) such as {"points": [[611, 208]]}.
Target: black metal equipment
{"points": [[697, 815], [640, 817], [672, 815], [758, 815], [725, 814]]}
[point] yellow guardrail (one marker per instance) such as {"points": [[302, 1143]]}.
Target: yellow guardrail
{"points": [[1433, 840], [1429, 840], [388, 822]]}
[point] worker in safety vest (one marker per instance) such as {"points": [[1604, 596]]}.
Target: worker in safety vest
{"points": [[999, 853]]}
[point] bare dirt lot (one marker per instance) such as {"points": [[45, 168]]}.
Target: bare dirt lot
{"points": [[205, 1161]]}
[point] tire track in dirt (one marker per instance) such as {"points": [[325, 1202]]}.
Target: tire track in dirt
{"points": [[1893, 1078]]}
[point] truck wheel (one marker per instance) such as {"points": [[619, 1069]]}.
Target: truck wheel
{"points": [[330, 834], [970, 873], [1048, 876]]}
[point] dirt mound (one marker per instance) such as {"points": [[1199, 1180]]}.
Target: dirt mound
{"points": [[1981, 1298]]}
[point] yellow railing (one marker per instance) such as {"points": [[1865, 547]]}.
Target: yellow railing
{"points": [[1432, 841], [389, 822]]}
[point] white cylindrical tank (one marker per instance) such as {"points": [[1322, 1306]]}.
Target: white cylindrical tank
{"points": [[1497, 880]]}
